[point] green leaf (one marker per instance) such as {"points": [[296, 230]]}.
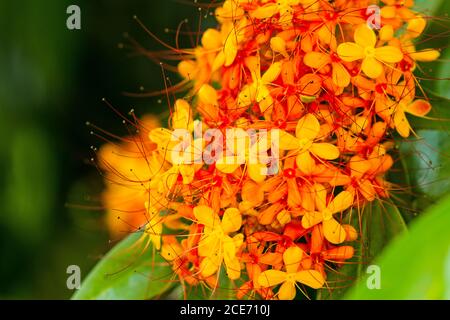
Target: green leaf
{"points": [[428, 159], [128, 271], [417, 265], [379, 222]]}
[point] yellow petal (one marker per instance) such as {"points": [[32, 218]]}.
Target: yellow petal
{"points": [[307, 127], [425, 55], [333, 231], [416, 26], [211, 39], [364, 36], [206, 216], [305, 162], [207, 94], [292, 258], [287, 291], [272, 73], [227, 164], [386, 32], [231, 262], [287, 141], [350, 51], [388, 54], [372, 67], [271, 278], [340, 75], [316, 60], [230, 49], [257, 172], [210, 265], [320, 196], [208, 244], [325, 151], [187, 172], [401, 123], [265, 12], [311, 278], [231, 220], [310, 219], [341, 202]]}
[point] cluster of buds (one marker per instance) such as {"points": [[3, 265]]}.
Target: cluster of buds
{"points": [[319, 90]]}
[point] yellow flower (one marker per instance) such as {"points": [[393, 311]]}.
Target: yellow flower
{"points": [[364, 49], [332, 230], [215, 244], [306, 132], [288, 280], [258, 91]]}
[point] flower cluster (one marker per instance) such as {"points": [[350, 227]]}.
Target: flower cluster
{"points": [[332, 87]]}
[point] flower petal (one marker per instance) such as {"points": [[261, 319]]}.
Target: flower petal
{"points": [[388, 54], [310, 219], [316, 60], [333, 231], [287, 141], [340, 75], [308, 127], [206, 216], [311, 278], [401, 123], [341, 202], [292, 258], [305, 162], [372, 67], [364, 36], [272, 73], [231, 220], [419, 108], [325, 151], [350, 51], [287, 291], [271, 278]]}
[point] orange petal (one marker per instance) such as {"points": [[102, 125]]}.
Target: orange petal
{"points": [[419, 108], [316, 60]]}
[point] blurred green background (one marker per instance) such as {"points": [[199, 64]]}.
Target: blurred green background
{"points": [[51, 82]]}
